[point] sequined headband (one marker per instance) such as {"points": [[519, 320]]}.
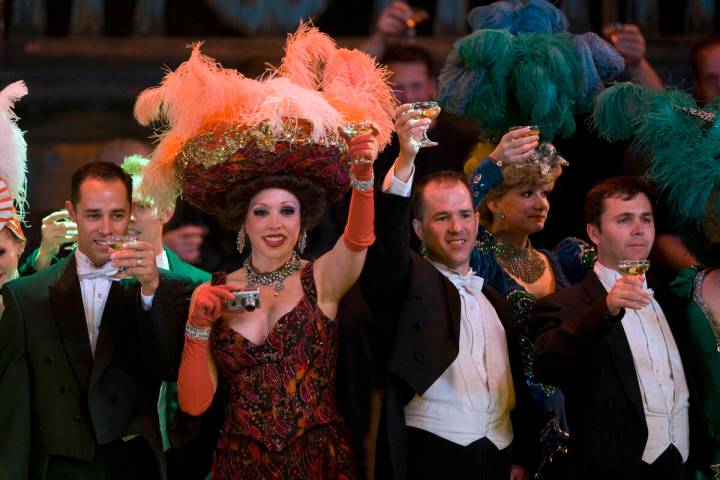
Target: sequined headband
{"points": [[543, 160]]}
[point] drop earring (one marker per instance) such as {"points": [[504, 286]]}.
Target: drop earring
{"points": [[302, 241], [240, 242]]}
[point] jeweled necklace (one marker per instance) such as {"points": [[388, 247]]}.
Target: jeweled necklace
{"points": [[526, 263], [278, 277]]}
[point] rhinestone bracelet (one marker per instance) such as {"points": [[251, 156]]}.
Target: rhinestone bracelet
{"points": [[197, 333], [362, 185]]}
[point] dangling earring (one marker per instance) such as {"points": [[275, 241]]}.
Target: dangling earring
{"points": [[302, 241], [240, 242], [500, 217]]}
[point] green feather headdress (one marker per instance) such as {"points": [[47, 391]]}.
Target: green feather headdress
{"points": [[683, 142]]}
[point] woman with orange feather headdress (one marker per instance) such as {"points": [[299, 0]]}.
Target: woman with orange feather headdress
{"points": [[13, 160], [265, 156]]}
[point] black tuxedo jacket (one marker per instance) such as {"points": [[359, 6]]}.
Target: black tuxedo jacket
{"points": [[583, 349], [417, 315], [55, 397]]}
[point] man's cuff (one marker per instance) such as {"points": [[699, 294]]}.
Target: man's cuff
{"points": [[392, 184], [146, 301]]}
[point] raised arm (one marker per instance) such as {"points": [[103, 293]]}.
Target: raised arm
{"points": [[515, 146], [337, 270]]}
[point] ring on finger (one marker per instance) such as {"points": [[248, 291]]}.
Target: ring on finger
{"points": [[139, 262]]}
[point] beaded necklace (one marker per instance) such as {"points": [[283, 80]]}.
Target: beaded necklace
{"points": [[278, 277], [524, 263]]}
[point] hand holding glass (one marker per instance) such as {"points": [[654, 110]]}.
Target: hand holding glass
{"points": [[116, 242], [355, 129]]}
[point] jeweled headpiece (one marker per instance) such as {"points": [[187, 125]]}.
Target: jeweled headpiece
{"points": [[544, 160], [222, 128], [13, 162], [520, 66], [683, 143]]}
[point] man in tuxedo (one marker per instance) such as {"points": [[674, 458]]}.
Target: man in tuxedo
{"points": [[446, 338], [83, 355], [609, 344]]}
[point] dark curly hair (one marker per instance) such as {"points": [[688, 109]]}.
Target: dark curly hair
{"points": [[237, 200]]}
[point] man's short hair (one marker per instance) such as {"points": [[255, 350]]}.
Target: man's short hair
{"points": [[697, 51], [408, 54], [449, 177], [624, 187], [104, 171]]}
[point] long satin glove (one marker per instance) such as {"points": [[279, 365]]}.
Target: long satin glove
{"points": [[359, 230], [196, 387]]}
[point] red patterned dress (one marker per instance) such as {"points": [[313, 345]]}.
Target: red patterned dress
{"points": [[281, 420]]}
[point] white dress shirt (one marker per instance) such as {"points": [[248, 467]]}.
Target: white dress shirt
{"points": [[660, 374], [94, 295], [95, 290], [474, 396]]}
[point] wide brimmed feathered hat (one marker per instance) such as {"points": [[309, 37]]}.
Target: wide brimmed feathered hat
{"points": [[520, 66], [222, 129], [13, 162], [682, 141]]}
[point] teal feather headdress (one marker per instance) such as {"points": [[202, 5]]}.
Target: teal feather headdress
{"points": [[683, 141], [520, 66]]}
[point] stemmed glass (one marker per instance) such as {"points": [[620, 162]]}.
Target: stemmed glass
{"points": [[427, 110], [418, 15], [116, 242], [355, 129], [534, 130], [633, 267]]}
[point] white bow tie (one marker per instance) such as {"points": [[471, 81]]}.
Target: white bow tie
{"points": [[472, 284], [88, 272]]}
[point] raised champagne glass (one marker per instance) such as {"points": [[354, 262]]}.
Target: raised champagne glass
{"points": [[116, 242], [633, 267], [355, 129], [427, 110], [417, 16], [534, 130]]}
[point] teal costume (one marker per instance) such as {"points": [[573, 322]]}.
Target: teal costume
{"points": [[706, 345]]}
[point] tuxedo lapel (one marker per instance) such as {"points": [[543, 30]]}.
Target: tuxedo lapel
{"points": [[69, 313], [112, 326], [619, 347]]}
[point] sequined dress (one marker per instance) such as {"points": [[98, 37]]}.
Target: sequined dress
{"points": [[281, 420]]}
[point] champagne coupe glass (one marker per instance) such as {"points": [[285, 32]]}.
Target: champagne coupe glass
{"points": [[610, 29], [427, 110], [534, 130], [417, 16], [633, 267], [116, 243], [354, 129]]}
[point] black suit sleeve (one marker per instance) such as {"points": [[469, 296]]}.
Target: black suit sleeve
{"points": [[564, 330], [15, 413], [162, 327], [388, 259]]}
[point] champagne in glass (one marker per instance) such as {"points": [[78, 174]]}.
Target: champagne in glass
{"points": [[418, 15], [611, 29], [355, 129], [427, 110], [116, 242], [534, 130], [633, 267]]}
